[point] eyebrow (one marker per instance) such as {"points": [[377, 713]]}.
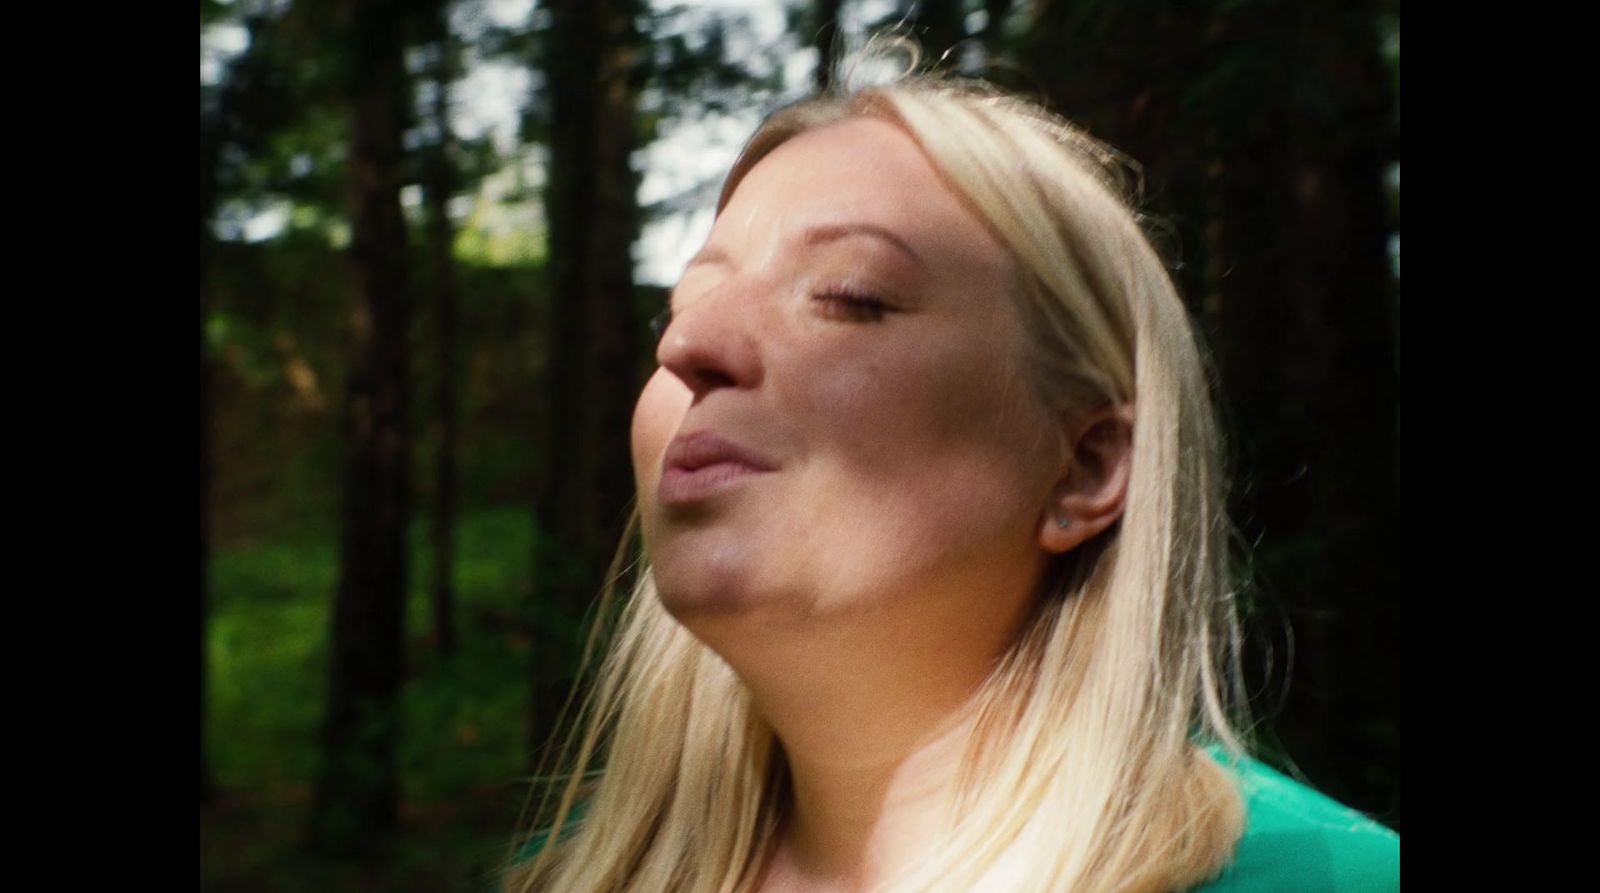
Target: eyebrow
{"points": [[711, 254], [834, 231], [821, 234]]}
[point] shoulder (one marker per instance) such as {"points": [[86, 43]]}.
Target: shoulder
{"points": [[1297, 839]]}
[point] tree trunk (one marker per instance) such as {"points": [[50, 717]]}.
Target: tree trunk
{"points": [[992, 36], [1307, 349], [208, 192], [1127, 75], [591, 206], [1258, 130], [827, 32], [357, 788], [438, 188], [942, 24]]}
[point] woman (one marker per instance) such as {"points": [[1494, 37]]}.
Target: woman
{"points": [[935, 593]]}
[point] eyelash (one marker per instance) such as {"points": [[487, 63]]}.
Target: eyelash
{"points": [[855, 307]]}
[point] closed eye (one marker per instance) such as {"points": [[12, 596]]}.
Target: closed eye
{"points": [[853, 307]]}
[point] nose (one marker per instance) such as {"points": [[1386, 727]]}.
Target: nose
{"points": [[711, 343]]}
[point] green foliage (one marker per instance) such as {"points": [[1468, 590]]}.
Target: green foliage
{"points": [[700, 62], [275, 333], [268, 640], [462, 719], [280, 120], [214, 12], [500, 248], [275, 130], [268, 647], [276, 118]]}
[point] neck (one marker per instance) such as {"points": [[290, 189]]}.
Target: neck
{"points": [[857, 820], [874, 708], [872, 748]]}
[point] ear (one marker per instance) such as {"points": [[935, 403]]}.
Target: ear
{"points": [[1090, 493]]}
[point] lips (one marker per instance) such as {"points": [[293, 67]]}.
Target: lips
{"points": [[700, 465]]}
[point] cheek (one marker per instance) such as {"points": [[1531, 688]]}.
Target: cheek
{"points": [[929, 452], [656, 418], [908, 411]]}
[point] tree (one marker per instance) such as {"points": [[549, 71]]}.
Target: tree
{"points": [[1301, 118], [208, 181], [589, 54], [1259, 129], [438, 186], [238, 114], [1127, 73], [942, 26], [825, 38], [358, 787], [992, 36]]}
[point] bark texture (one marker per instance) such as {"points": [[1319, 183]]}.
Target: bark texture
{"points": [[357, 790], [438, 187], [590, 59]]}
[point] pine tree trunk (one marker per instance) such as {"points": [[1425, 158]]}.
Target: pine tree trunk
{"points": [[614, 362], [1308, 352], [941, 25], [441, 238], [357, 789], [205, 484], [207, 788], [1127, 76], [826, 33], [992, 37], [208, 190], [592, 377], [1258, 130]]}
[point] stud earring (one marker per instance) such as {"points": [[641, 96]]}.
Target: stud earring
{"points": [[1063, 522]]}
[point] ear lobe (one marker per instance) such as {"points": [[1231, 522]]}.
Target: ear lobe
{"points": [[1090, 494]]}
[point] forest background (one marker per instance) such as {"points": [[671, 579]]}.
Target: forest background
{"points": [[413, 460]]}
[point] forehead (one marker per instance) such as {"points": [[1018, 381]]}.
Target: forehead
{"points": [[862, 170]]}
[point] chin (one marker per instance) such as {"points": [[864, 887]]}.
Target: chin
{"points": [[698, 594], [720, 599]]}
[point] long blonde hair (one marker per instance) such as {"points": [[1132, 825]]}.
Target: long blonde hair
{"points": [[1083, 772]]}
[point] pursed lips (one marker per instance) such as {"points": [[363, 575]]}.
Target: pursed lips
{"points": [[701, 464]]}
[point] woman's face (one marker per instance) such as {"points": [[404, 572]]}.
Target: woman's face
{"points": [[841, 421]]}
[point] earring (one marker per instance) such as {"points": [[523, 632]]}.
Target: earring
{"points": [[1063, 522]]}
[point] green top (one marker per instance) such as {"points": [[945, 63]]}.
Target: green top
{"points": [[1296, 839]]}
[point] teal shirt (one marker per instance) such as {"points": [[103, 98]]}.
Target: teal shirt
{"points": [[1299, 841], [1295, 841]]}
